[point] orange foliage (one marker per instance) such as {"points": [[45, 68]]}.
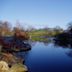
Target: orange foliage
{"points": [[21, 34]]}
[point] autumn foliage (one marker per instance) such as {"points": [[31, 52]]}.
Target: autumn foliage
{"points": [[7, 30]]}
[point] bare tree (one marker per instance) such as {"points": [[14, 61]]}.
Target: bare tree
{"points": [[70, 27], [5, 27]]}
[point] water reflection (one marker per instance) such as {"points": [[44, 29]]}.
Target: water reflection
{"points": [[46, 42], [65, 45], [69, 53], [45, 57], [48, 58]]}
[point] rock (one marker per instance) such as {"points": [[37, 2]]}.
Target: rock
{"points": [[15, 67], [4, 66], [18, 68], [10, 59]]}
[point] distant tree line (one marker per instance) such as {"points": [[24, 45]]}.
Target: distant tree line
{"points": [[6, 29]]}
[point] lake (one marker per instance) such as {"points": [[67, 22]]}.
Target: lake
{"points": [[46, 57]]}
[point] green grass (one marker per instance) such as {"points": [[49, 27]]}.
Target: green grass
{"points": [[39, 39], [36, 35]]}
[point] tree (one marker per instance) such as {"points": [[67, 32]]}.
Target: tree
{"points": [[5, 27], [58, 30], [19, 32], [70, 27]]}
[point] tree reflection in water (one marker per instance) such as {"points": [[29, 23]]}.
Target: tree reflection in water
{"points": [[46, 42], [69, 53], [65, 45]]}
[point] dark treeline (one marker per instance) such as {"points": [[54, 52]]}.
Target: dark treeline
{"points": [[65, 38]]}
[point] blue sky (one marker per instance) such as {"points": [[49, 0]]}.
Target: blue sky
{"points": [[37, 13]]}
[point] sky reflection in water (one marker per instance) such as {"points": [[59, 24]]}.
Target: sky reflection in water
{"points": [[48, 58]]}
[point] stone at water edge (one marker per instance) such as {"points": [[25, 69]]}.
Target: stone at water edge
{"points": [[11, 59], [15, 68], [4, 66], [18, 68]]}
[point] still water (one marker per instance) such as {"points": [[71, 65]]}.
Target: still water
{"points": [[46, 57]]}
